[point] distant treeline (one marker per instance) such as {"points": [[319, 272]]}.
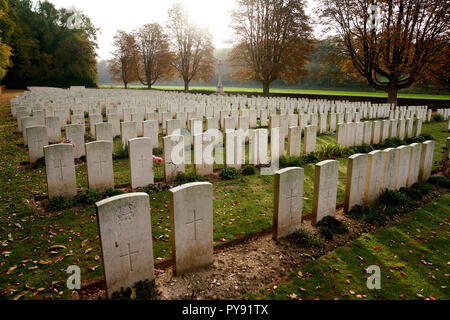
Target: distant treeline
{"points": [[321, 75]]}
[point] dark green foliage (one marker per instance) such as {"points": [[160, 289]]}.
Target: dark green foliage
{"points": [[87, 197], [330, 151], [305, 238], [229, 174], [292, 161], [417, 191], [189, 177], [40, 163], [60, 203], [120, 153], [157, 151], [326, 233], [45, 51], [440, 181], [392, 198], [113, 192], [144, 290], [393, 142], [366, 214], [437, 118], [249, 170], [359, 149], [86, 115], [330, 225]]}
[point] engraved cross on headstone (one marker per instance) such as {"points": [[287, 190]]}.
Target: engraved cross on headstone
{"points": [[60, 167], [129, 254], [330, 197], [99, 163], [290, 198], [143, 158], [195, 224]]}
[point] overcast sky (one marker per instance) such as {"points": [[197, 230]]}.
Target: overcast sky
{"points": [[113, 15]]}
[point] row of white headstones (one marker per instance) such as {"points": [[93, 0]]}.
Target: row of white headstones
{"points": [[125, 228]]}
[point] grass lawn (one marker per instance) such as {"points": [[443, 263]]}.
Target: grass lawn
{"points": [[293, 91], [412, 255], [31, 265]]}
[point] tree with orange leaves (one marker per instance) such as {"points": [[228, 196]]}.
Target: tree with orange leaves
{"points": [[390, 43], [153, 56], [123, 65], [272, 41], [191, 46]]}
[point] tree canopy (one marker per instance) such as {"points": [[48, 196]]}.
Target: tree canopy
{"points": [[45, 50], [272, 41], [393, 43]]}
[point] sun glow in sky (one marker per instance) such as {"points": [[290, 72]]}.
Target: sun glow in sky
{"points": [[128, 15]]}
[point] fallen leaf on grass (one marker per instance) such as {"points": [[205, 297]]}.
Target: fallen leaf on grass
{"points": [[10, 270]]}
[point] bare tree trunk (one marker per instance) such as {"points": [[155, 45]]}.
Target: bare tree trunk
{"points": [[149, 86], [266, 88], [126, 84], [186, 86], [392, 95]]}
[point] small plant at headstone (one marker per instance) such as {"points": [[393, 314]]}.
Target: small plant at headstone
{"points": [[440, 181], [392, 198], [306, 238], [60, 203], [157, 151], [290, 161], [229, 174], [88, 197], [112, 192], [359, 149], [143, 290], [182, 178], [39, 163], [88, 137], [333, 225], [437, 118], [120, 153], [249, 170], [393, 143], [330, 151], [310, 158], [366, 214], [86, 114], [417, 191]]}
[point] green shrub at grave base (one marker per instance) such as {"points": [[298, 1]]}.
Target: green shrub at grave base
{"points": [[393, 142], [366, 214], [437, 118], [87, 197], [392, 198], [86, 114], [417, 191], [113, 192], [439, 181], [330, 151], [229, 174], [293, 161], [117, 137], [60, 203], [157, 151], [249, 170], [330, 225], [88, 137], [142, 290], [305, 238], [182, 178], [359, 149], [40, 163], [120, 153]]}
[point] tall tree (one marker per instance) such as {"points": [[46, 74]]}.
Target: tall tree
{"points": [[153, 55], [389, 42], [272, 41], [192, 47], [6, 26], [123, 64]]}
